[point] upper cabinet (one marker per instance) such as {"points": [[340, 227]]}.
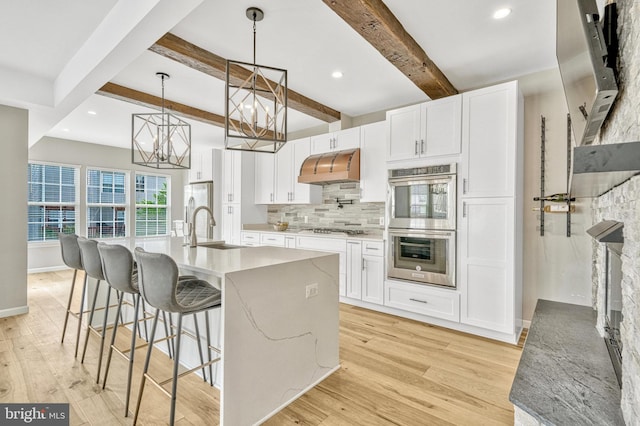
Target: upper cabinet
{"points": [[431, 129], [276, 180], [373, 176], [201, 166], [336, 141], [489, 136]]}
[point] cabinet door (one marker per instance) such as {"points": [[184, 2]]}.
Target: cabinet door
{"points": [[346, 139], [373, 279], [403, 133], [354, 269], [487, 258], [231, 226], [290, 242], [321, 143], [489, 139], [264, 180], [302, 193], [373, 170], [443, 127], [231, 176], [284, 174]]}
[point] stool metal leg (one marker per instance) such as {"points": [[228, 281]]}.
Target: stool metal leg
{"points": [[208, 331], [113, 341], [93, 309], [132, 351], [168, 328], [176, 364], [66, 317], [84, 292], [146, 366], [195, 322], [146, 330], [104, 331]]}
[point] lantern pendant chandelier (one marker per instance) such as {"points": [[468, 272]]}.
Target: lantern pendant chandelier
{"points": [[256, 102], [160, 140]]}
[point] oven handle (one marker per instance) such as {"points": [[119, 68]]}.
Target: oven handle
{"points": [[419, 233], [411, 244], [444, 178]]}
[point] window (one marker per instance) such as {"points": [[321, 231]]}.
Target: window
{"points": [[51, 201], [151, 205], [106, 204]]}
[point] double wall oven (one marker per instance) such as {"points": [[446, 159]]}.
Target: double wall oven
{"points": [[422, 225]]}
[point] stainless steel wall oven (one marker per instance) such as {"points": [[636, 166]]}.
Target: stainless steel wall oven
{"points": [[422, 225]]}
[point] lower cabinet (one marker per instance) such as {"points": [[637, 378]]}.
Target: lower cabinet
{"points": [[425, 300], [373, 279], [231, 223], [250, 238], [354, 269], [365, 271]]}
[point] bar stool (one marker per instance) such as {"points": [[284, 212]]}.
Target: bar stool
{"points": [[121, 274], [163, 288], [72, 258], [93, 268]]}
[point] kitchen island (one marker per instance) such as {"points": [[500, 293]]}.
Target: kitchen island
{"points": [[278, 324]]}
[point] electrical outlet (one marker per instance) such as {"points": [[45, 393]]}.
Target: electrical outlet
{"points": [[311, 290], [381, 220]]}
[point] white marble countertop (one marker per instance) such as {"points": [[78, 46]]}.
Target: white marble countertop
{"points": [[218, 262]]}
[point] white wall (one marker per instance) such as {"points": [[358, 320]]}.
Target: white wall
{"points": [[555, 267], [46, 256], [13, 222]]}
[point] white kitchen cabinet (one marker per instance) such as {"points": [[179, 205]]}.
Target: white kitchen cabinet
{"points": [[231, 223], [287, 168], [354, 269], [428, 130], [201, 166], [250, 238], [490, 133], [373, 272], [422, 299], [265, 179], [232, 175], [373, 176], [290, 241], [336, 141], [487, 280], [271, 239]]}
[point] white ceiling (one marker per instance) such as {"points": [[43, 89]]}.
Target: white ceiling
{"points": [[55, 55]]}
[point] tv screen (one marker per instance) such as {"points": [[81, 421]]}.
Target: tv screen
{"points": [[589, 85]]}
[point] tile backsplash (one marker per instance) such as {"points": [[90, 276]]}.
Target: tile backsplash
{"points": [[329, 214]]}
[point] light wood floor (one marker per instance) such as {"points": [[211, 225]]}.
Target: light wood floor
{"points": [[393, 372]]}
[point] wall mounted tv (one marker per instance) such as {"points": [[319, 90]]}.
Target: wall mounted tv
{"points": [[589, 83]]}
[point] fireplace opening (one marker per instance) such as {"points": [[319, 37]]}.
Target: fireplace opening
{"points": [[610, 233]]}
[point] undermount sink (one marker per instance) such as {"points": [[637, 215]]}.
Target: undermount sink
{"points": [[218, 245]]}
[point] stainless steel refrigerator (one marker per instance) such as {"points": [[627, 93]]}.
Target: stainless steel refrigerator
{"points": [[195, 195]]}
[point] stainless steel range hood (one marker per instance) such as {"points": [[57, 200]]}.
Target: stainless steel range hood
{"points": [[598, 168], [607, 231]]}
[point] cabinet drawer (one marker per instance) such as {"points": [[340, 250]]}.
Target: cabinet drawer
{"points": [[250, 237], [423, 300], [272, 240], [373, 248], [322, 244]]}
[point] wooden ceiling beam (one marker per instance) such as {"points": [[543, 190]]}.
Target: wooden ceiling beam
{"points": [[180, 50], [115, 91], [373, 20]]}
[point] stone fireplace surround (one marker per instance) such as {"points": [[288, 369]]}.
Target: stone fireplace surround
{"points": [[622, 204]]}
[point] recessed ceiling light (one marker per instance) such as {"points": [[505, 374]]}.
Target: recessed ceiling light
{"points": [[501, 13], [90, 112], [336, 74]]}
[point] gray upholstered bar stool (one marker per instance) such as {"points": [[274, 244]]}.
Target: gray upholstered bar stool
{"points": [[121, 274], [93, 268], [72, 258], [162, 288]]}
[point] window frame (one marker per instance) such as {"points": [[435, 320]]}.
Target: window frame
{"points": [[167, 206], [125, 205], [76, 205]]}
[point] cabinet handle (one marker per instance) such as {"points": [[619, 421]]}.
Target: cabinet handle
{"points": [[416, 148], [363, 264], [421, 146], [371, 248], [464, 185], [353, 242], [464, 209], [418, 300]]}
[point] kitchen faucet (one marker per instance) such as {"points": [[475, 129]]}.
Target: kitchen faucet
{"points": [[192, 224]]}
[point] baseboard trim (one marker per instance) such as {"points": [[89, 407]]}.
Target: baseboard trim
{"points": [[14, 311], [526, 324], [47, 269]]}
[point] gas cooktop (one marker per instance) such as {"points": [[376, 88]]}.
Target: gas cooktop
{"points": [[339, 231]]}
